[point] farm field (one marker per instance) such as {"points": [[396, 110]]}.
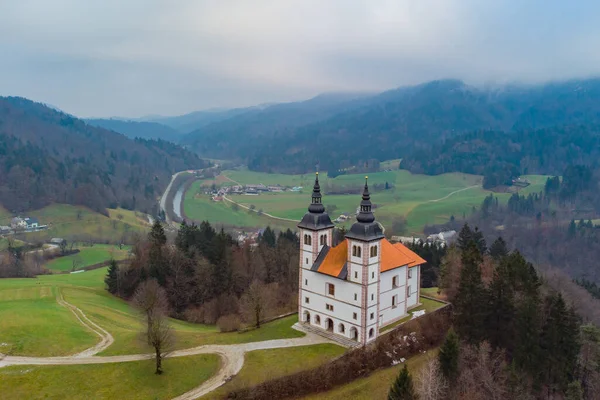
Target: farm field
{"points": [[262, 365], [375, 386], [30, 330], [80, 223], [422, 199], [129, 380], [88, 255]]}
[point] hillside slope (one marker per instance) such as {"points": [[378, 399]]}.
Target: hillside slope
{"points": [[339, 132], [135, 129], [47, 156]]}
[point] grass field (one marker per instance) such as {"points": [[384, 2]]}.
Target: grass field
{"points": [[422, 199], [130, 380], [262, 365], [45, 321], [77, 222], [88, 256], [375, 386]]}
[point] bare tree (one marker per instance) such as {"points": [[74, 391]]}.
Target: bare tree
{"points": [[254, 302], [152, 302], [76, 262], [431, 384]]}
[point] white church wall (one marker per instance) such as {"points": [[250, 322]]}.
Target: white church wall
{"points": [[346, 301], [413, 287]]}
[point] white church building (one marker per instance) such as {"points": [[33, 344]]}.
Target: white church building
{"points": [[359, 286]]}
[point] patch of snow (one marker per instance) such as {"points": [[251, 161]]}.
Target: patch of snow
{"points": [[76, 272]]}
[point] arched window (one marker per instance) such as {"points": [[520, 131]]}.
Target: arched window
{"points": [[374, 251], [307, 240], [371, 332], [323, 240], [358, 251], [342, 328], [317, 320]]}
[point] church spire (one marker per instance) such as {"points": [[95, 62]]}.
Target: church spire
{"points": [[316, 218], [365, 228], [366, 214], [317, 205]]}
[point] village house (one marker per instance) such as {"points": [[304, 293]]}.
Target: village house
{"points": [[18, 223], [32, 223], [359, 286]]}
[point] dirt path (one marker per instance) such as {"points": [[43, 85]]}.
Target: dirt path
{"points": [[450, 194], [264, 213], [106, 338]]}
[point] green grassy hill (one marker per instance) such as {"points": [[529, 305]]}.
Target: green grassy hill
{"points": [[422, 199]]}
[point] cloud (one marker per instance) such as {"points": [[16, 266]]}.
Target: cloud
{"points": [[139, 57]]}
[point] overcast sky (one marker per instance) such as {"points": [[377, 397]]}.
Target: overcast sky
{"points": [[139, 57]]}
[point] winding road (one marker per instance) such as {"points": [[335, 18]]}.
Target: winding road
{"points": [[232, 356]]}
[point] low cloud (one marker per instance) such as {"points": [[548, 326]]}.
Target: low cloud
{"points": [[140, 57]]}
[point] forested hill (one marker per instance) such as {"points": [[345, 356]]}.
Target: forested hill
{"points": [[137, 129], [47, 156], [502, 156], [392, 124]]}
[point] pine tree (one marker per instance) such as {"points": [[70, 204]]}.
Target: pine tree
{"points": [[498, 250], [268, 237], [501, 310], [402, 388], [111, 280], [470, 300], [574, 391], [527, 326], [157, 265], [157, 234], [465, 236], [449, 355]]}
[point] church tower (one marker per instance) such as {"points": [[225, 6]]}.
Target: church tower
{"points": [[316, 230], [364, 256]]}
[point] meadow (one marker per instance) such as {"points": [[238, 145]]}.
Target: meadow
{"points": [[263, 365], [88, 255], [421, 199], [80, 223], [129, 380], [30, 333]]}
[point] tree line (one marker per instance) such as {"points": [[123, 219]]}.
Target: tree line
{"points": [[210, 278]]}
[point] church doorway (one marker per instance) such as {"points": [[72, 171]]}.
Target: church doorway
{"points": [[354, 334], [307, 317], [317, 320], [329, 324]]}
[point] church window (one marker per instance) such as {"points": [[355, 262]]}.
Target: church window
{"points": [[330, 289], [306, 300], [329, 307], [372, 275], [372, 297], [395, 301], [355, 296], [374, 251], [355, 274], [371, 332], [409, 273], [354, 316], [323, 240], [354, 251], [306, 260], [372, 315], [408, 291], [395, 281], [306, 282], [358, 251]]}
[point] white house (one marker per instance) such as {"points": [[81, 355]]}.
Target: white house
{"points": [[18, 223], [362, 284]]}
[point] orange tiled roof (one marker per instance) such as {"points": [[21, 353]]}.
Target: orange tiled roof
{"points": [[417, 260], [332, 260]]}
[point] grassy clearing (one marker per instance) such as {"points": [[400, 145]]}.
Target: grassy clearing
{"points": [[426, 304], [262, 365], [130, 380], [88, 256], [376, 385], [33, 323], [200, 207], [77, 222], [422, 199], [45, 321]]}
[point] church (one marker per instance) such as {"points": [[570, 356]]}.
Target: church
{"points": [[360, 285]]}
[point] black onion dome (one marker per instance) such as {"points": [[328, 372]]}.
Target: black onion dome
{"points": [[365, 228], [316, 218]]}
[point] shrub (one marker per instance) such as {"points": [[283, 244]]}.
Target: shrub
{"points": [[229, 323]]}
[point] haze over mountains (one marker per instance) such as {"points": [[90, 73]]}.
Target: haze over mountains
{"points": [[338, 131]]}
